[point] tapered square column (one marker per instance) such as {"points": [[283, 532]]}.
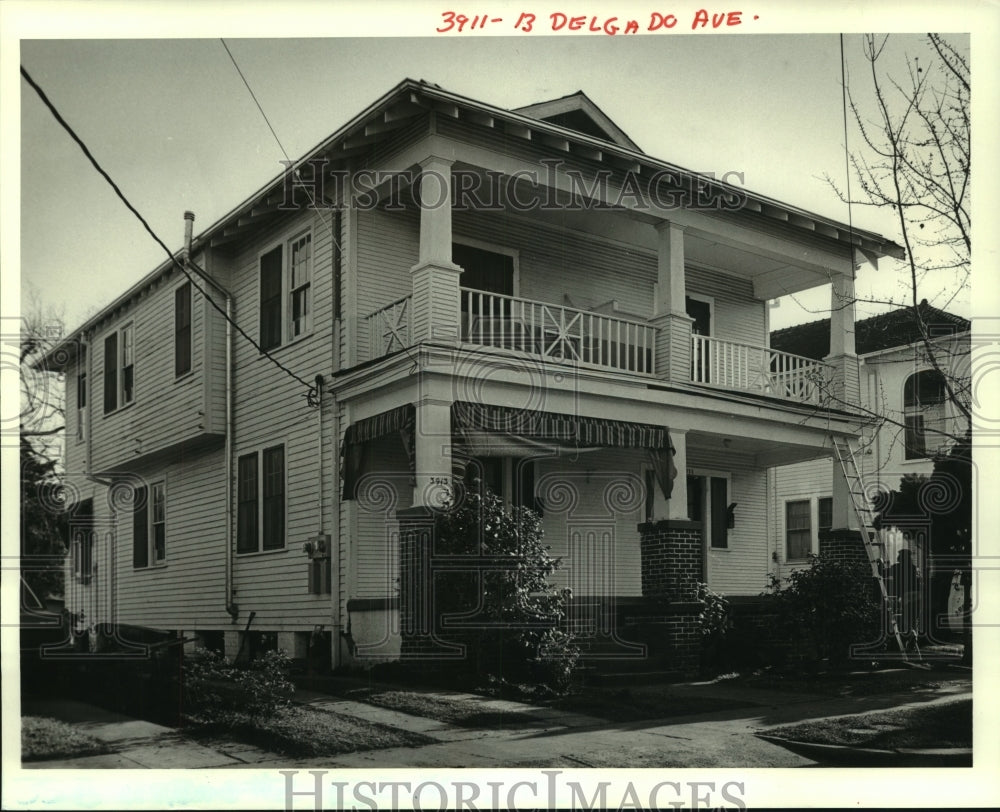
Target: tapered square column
{"points": [[845, 385], [436, 313], [432, 454], [673, 325]]}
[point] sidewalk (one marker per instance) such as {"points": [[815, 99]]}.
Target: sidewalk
{"points": [[536, 736]]}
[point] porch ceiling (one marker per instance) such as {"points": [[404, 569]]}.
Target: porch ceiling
{"points": [[774, 271], [765, 452]]}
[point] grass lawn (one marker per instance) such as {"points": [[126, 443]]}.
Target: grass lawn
{"points": [[305, 731], [43, 738], [459, 711], [622, 705], [939, 725]]}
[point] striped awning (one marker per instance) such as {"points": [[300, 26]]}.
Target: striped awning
{"points": [[559, 428], [371, 428], [400, 420]]}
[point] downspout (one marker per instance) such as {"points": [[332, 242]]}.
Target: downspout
{"points": [[231, 608]]}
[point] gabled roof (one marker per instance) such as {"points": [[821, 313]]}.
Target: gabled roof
{"points": [[896, 328], [577, 112]]}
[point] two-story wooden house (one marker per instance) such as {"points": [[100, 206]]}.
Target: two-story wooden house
{"points": [[449, 287]]}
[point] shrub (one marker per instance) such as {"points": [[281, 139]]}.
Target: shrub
{"points": [[512, 632], [215, 689], [829, 607]]}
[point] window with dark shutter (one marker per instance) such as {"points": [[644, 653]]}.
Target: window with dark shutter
{"points": [[246, 518], [182, 329], [270, 298], [111, 373], [825, 513], [720, 516], [274, 498], [140, 529]]}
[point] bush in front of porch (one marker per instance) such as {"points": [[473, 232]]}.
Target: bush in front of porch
{"points": [[511, 615], [826, 609]]}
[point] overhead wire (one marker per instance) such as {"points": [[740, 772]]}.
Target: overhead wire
{"points": [[145, 224], [288, 162]]}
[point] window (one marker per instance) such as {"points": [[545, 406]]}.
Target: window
{"points": [[286, 291], [81, 395], [82, 541], [127, 361], [260, 494], [299, 279], [149, 526], [119, 368], [924, 396], [708, 498], [182, 330], [798, 530], [825, 513], [510, 478]]}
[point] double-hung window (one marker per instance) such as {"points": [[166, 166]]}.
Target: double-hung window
{"points": [[149, 526], [119, 368], [260, 500], [798, 529], [286, 291], [924, 396]]}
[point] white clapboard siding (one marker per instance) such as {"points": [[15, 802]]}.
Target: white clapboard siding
{"points": [[166, 410], [737, 315], [388, 247], [271, 409], [386, 488], [599, 544], [742, 568]]}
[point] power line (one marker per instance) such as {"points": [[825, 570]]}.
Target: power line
{"points": [[121, 196], [254, 97]]}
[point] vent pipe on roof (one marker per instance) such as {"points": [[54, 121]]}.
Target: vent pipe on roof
{"points": [[188, 231]]}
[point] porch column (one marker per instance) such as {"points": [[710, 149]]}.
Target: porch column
{"points": [[673, 338], [845, 386], [432, 453], [436, 304], [677, 505]]}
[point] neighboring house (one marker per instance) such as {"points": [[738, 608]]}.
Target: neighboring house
{"points": [[584, 327], [915, 419]]}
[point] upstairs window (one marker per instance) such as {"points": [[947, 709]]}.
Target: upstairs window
{"points": [[182, 330], [299, 280], [286, 291], [924, 396], [119, 368]]}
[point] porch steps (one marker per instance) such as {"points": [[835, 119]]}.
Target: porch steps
{"points": [[870, 534]]}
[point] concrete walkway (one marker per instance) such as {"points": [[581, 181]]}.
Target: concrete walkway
{"points": [[533, 737]]}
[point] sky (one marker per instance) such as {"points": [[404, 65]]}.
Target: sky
{"points": [[174, 125]]}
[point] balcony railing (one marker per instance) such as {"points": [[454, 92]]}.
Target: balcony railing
{"points": [[734, 365], [557, 333], [389, 328]]}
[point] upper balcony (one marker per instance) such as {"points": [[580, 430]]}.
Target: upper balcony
{"points": [[565, 335]]}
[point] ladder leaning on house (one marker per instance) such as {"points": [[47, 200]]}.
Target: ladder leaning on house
{"points": [[871, 536]]}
